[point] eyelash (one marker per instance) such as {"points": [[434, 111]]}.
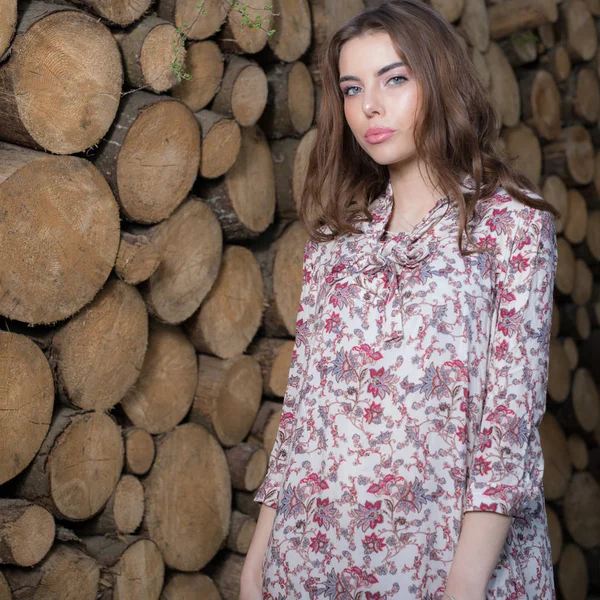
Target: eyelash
{"points": [[351, 87]]}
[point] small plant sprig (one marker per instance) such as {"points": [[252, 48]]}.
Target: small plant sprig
{"points": [[178, 67]]}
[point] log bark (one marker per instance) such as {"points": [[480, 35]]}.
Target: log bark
{"points": [[8, 25], [293, 29], [281, 265], [244, 198], [290, 105], [243, 92], [266, 424], [189, 533], [205, 64], [150, 155], [59, 234], [190, 246], [274, 356], [247, 465], [27, 399], [26, 532], [149, 51], [230, 316], [581, 97], [82, 96], [139, 450], [132, 567], [123, 512], [165, 388], [65, 573], [196, 25], [137, 259], [540, 100], [97, 355], [515, 15], [221, 143], [241, 532], [78, 466], [190, 586], [227, 396], [236, 37], [226, 573]]}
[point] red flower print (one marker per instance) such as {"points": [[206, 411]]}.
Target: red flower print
{"points": [[481, 466], [507, 323], [373, 413], [501, 350], [332, 321], [519, 262], [319, 542], [375, 596], [372, 543], [485, 438], [493, 507]]}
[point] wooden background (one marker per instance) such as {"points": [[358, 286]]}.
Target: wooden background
{"points": [[151, 266]]}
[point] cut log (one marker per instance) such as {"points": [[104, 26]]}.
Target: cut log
{"points": [[227, 396], [241, 532], [584, 280], [557, 465], [586, 400], [82, 95], [26, 398], [97, 355], [451, 10], [197, 22], [540, 100], [244, 198], [26, 532], [137, 258], [520, 48], [291, 21], [474, 24], [290, 106], [555, 534], [65, 573], [504, 88], [578, 452], [589, 356], [559, 375], [204, 63], [247, 465], [231, 314], [59, 234], [522, 144], [577, 28], [515, 15], [571, 156], [149, 51], [190, 586], [139, 450], [274, 356], [123, 12], [243, 92], [8, 26], [244, 502], [190, 245], [575, 321], [576, 223], [580, 509], [165, 388], [5, 593], [558, 62], [150, 156], [123, 512], [546, 36], [572, 573], [226, 572], [281, 265], [266, 424], [480, 66], [327, 17], [581, 100], [188, 532], [555, 192], [221, 143], [132, 567], [236, 37], [78, 466]]}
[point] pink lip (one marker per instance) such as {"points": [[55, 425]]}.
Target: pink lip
{"points": [[375, 135]]}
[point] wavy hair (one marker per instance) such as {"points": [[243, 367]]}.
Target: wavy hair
{"points": [[456, 131]]}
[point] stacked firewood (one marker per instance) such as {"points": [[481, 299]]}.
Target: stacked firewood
{"points": [[151, 266]]}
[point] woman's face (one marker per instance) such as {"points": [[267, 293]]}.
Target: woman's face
{"points": [[376, 95]]}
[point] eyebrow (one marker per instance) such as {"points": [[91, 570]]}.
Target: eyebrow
{"points": [[378, 74]]}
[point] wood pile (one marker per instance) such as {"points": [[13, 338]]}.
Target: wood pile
{"points": [[152, 266]]}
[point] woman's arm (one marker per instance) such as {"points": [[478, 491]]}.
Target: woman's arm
{"points": [[477, 552], [251, 578]]}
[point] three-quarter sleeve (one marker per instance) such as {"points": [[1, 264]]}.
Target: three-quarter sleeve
{"points": [[268, 491], [505, 473]]}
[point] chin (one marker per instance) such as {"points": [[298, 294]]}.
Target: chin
{"points": [[391, 156]]}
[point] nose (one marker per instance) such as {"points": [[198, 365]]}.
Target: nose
{"points": [[372, 103]]}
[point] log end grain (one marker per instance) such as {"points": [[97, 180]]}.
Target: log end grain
{"points": [[190, 586], [139, 451], [157, 58]]}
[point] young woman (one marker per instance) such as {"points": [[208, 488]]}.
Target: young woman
{"points": [[408, 464]]}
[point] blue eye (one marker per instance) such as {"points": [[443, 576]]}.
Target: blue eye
{"points": [[397, 77], [346, 92]]}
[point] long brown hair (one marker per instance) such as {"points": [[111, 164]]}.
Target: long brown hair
{"points": [[457, 130]]}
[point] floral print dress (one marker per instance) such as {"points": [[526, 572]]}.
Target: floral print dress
{"points": [[416, 387]]}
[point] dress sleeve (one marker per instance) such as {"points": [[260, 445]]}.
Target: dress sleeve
{"points": [[268, 491], [507, 464]]}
